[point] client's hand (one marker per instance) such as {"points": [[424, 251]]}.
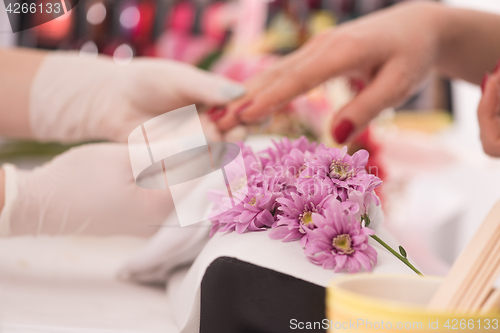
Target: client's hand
{"points": [[391, 51], [488, 113], [87, 190], [75, 99]]}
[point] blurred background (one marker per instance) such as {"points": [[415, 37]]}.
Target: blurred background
{"points": [[438, 183]]}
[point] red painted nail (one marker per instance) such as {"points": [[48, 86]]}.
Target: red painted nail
{"points": [[221, 111], [212, 110], [245, 106], [485, 79], [343, 131], [357, 85], [497, 67]]}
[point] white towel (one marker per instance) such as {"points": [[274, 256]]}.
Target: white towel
{"points": [[257, 248]]}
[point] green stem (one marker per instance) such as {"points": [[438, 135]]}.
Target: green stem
{"points": [[400, 257]]}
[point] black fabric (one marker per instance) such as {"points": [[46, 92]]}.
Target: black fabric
{"points": [[237, 296]]}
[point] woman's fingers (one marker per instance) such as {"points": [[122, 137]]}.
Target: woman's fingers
{"points": [[488, 113], [391, 86], [259, 83], [294, 75], [393, 50]]}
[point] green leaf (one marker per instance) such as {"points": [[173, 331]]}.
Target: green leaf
{"points": [[402, 251]]}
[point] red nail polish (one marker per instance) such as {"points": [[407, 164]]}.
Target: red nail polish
{"points": [[218, 114], [483, 83], [343, 131], [357, 85], [243, 107], [497, 67], [212, 110]]}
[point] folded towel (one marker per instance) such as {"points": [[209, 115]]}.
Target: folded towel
{"points": [[257, 248]]}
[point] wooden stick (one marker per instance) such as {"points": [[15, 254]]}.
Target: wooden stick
{"points": [[492, 303], [486, 288], [483, 281], [463, 272]]}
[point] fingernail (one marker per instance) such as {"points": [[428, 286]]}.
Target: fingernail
{"points": [[212, 110], [343, 131], [485, 80], [218, 114], [232, 91], [497, 67], [357, 85], [242, 108]]}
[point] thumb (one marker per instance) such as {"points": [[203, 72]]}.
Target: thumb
{"points": [[390, 87], [204, 87], [488, 113]]}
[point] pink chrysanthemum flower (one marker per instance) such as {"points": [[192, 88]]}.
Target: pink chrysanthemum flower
{"points": [[295, 217], [362, 202], [307, 192], [339, 242], [283, 147], [365, 206], [338, 171], [286, 159], [254, 165], [239, 176], [253, 213], [294, 162], [368, 183]]}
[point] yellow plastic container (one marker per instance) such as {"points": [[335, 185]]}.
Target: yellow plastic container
{"points": [[375, 303]]}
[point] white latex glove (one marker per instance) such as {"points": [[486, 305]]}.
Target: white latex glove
{"points": [[88, 190], [74, 99]]}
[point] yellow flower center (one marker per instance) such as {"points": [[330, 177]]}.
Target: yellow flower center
{"points": [[340, 170], [342, 244], [252, 201], [306, 218]]}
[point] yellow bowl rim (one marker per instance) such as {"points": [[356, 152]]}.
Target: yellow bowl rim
{"points": [[370, 304]]}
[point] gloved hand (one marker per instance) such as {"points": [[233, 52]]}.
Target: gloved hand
{"points": [[87, 190], [76, 99]]}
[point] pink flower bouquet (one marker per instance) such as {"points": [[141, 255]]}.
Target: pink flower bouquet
{"points": [[301, 191]]}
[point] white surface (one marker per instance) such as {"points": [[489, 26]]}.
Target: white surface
{"points": [[492, 6], [68, 284]]}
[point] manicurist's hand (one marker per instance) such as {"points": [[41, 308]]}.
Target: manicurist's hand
{"points": [[63, 97], [98, 99], [87, 190], [391, 51]]}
